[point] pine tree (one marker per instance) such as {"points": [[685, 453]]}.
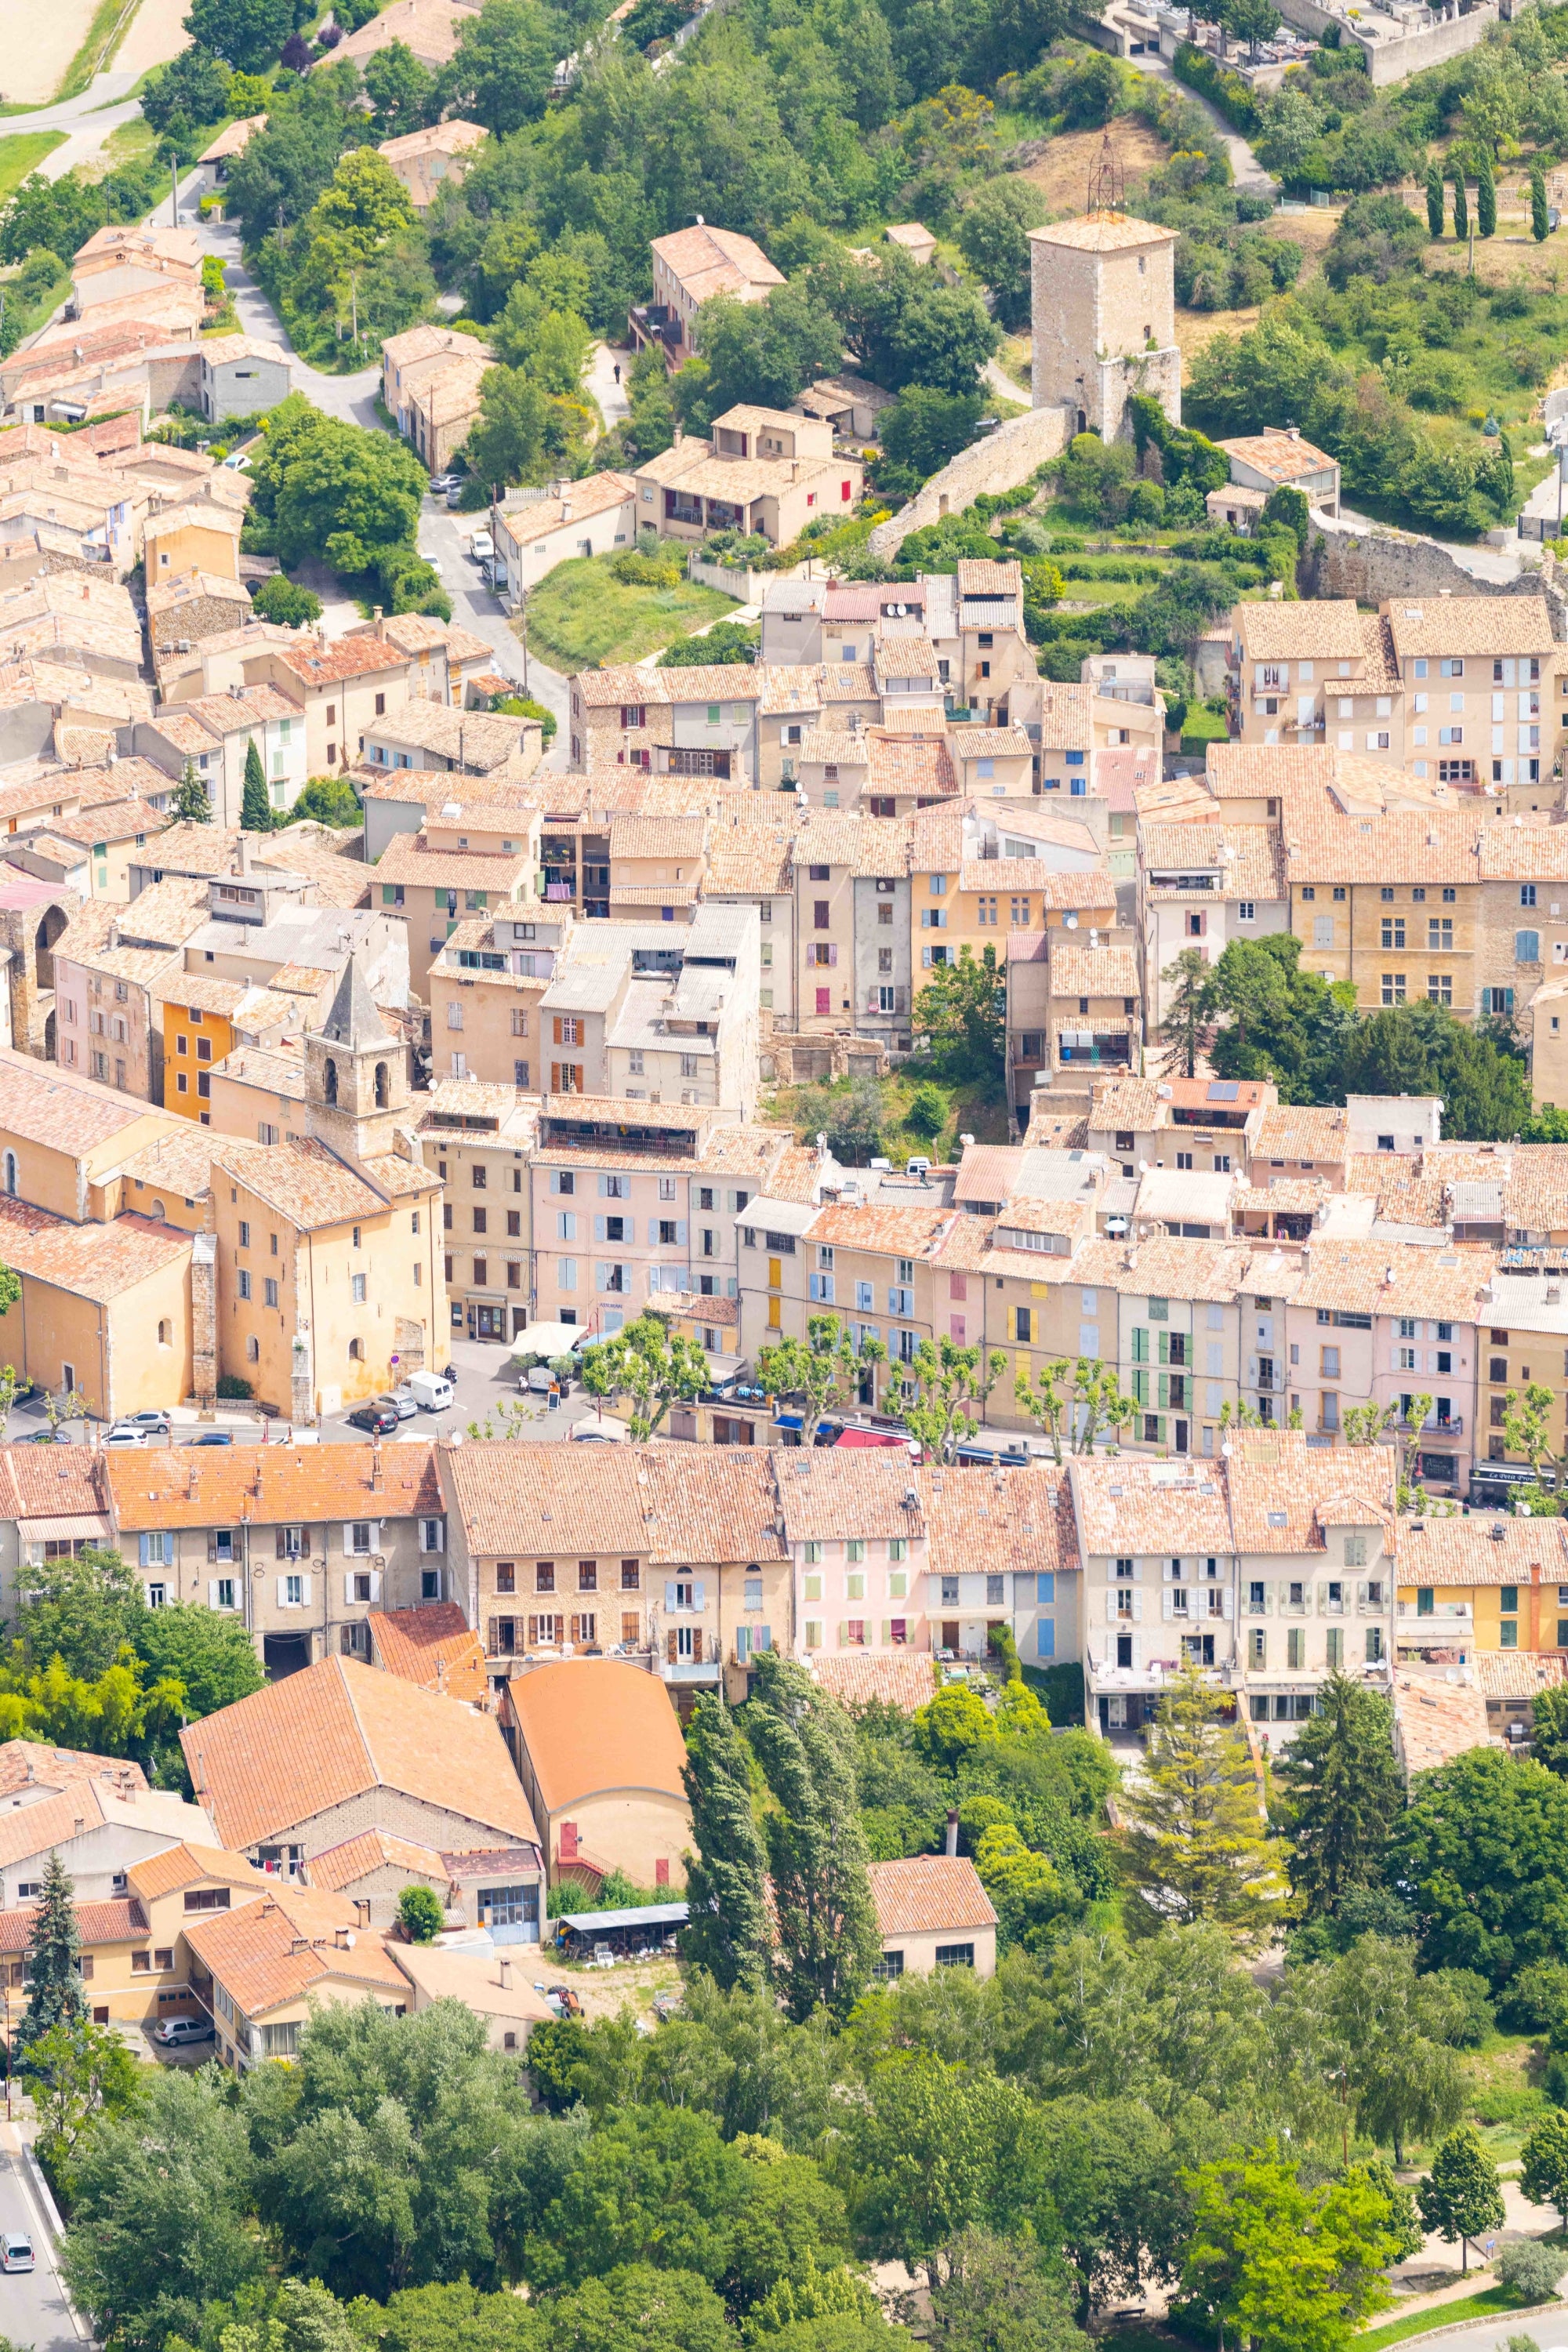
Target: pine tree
{"points": [[190, 800], [1433, 200], [1461, 207], [1486, 197], [727, 1930], [54, 1987], [1187, 1029], [1344, 1791], [1539, 222], [1197, 1845], [1460, 2196], [255, 808], [825, 1923]]}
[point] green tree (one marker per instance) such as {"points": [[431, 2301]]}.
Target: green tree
{"points": [[653, 2184], [1478, 1855], [1435, 199], [1093, 1404], [255, 807], [1250, 21], [925, 427], [1461, 205], [420, 1914], [727, 1925], [1539, 218], [927, 1113], [507, 443], [1187, 1029], [77, 2074], [1286, 2267], [1549, 1729], [636, 2308], [280, 600], [1197, 1848], [1460, 2196], [191, 802], [212, 1658], [401, 90], [902, 324], [948, 1381], [557, 2054], [454, 2317], [961, 1014], [995, 2295], [1486, 196], [161, 2225], [504, 66], [824, 1373], [1543, 2172], [246, 34], [650, 1365], [192, 87], [994, 238], [824, 1925], [1343, 1791], [54, 1982], [329, 800], [765, 353], [337, 490], [1385, 2037]]}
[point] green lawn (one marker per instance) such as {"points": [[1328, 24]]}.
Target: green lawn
{"points": [[22, 153], [1492, 2302], [579, 617]]}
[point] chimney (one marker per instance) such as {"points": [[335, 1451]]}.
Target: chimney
{"points": [[952, 1846], [375, 615], [361, 1909], [79, 1826], [506, 1975]]}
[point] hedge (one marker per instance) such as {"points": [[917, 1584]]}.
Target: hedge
{"points": [[1223, 90]]}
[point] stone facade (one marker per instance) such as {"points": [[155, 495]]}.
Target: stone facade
{"points": [[1000, 462], [1103, 311]]}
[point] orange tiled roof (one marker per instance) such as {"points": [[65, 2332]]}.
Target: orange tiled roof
{"points": [[928, 1894], [432, 1646]]}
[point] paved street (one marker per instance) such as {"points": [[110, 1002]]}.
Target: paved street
{"points": [[33, 2307]]}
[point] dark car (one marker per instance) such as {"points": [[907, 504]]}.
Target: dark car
{"points": [[213, 1437], [381, 1419], [47, 1437]]}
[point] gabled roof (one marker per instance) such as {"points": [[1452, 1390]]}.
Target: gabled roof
{"points": [[928, 1893], [433, 1646], [340, 1731], [593, 1725]]}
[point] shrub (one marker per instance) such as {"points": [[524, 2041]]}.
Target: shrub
{"points": [[1530, 2271], [635, 570], [927, 1114], [282, 600], [420, 1914]]}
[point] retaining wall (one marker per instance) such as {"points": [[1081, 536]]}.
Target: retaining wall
{"points": [[1000, 462]]}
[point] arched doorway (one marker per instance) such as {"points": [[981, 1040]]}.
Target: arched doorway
{"points": [[51, 925]]}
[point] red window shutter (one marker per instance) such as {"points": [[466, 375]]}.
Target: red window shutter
{"points": [[847, 493], [558, 1029], [661, 1871], [824, 1004], [958, 1286], [568, 1842]]}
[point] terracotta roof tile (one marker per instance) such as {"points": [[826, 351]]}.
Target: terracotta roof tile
{"points": [[270, 1486], [928, 1894], [592, 1724], [432, 1646]]}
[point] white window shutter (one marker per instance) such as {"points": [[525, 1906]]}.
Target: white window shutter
{"points": [[669, 1596], [282, 1592], [305, 1590], [602, 1273], [702, 1589], [1137, 1653], [349, 1587], [603, 1188], [375, 1585], [1138, 1608], [211, 1592], [1229, 1603]]}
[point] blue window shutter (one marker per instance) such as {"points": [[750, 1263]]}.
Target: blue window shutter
{"points": [[1044, 1637], [669, 1596], [144, 1542], [1045, 1590], [680, 1229], [702, 1589], [598, 1229]]}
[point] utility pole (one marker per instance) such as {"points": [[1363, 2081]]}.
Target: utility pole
{"points": [[522, 632], [173, 192]]}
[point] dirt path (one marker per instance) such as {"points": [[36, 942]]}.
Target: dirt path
{"points": [[157, 34]]}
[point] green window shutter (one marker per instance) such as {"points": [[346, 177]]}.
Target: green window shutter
{"points": [[1140, 1344], [1165, 1386], [1164, 1338], [1140, 1386], [1160, 1431]]}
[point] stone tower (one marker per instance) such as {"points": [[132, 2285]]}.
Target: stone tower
{"points": [[1103, 304], [356, 1084]]}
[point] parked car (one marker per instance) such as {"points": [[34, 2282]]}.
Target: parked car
{"points": [[155, 1420], [122, 1435], [178, 2033], [15, 2252], [406, 1401], [481, 546], [441, 483], [213, 1437], [433, 1390], [380, 1419], [601, 1432], [47, 1437], [237, 462]]}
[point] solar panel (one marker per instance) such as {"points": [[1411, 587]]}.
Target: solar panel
{"points": [[1223, 1090]]}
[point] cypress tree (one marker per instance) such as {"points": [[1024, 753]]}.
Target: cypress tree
{"points": [[824, 1918], [190, 800], [255, 808], [1540, 226], [1486, 197], [727, 1932], [54, 1988], [1461, 205], [1433, 200], [1344, 1791]]}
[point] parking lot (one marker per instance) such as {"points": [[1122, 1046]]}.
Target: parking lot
{"points": [[486, 1388]]}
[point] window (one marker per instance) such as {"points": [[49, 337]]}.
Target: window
{"points": [[955, 1956]]}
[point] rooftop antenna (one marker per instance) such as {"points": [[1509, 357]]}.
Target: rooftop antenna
{"points": [[1107, 181]]}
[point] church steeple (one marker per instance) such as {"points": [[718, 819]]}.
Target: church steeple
{"points": [[356, 1083]]}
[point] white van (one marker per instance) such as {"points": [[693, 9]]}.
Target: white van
{"points": [[430, 1390]]}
